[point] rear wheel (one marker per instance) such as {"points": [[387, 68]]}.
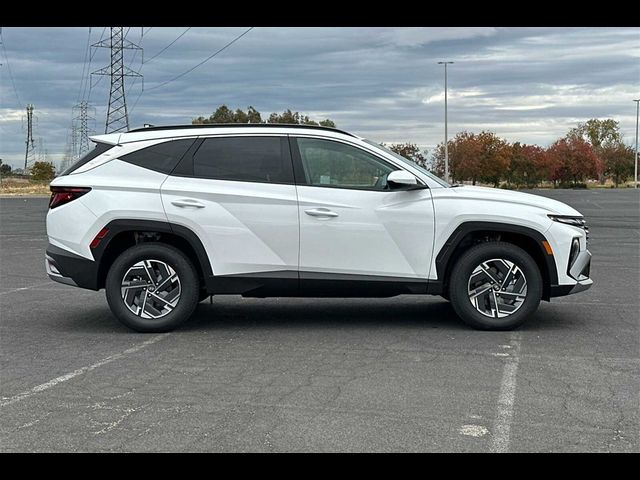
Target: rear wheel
{"points": [[495, 286], [152, 287]]}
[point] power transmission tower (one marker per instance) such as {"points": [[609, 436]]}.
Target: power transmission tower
{"points": [[117, 116], [81, 128], [29, 154]]}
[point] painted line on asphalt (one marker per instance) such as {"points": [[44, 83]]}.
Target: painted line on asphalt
{"points": [[25, 288], [80, 371], [506, 398]]}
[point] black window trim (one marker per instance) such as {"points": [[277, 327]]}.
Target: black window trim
{"points": [[298, 167], [185, 169]]}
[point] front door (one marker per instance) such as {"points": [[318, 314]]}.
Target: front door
{"points": [[351, 225]]}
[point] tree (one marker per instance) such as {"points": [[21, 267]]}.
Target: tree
{"points": [[42, 171], [602, 135], [495, 158], [410, 151], [618, 162], [528, 165], [224, 114], [464, 158], [5, 169], [573, 159]]}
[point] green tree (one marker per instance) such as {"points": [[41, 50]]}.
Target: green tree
{"points": [[619, 162], [602, 135], [5, 169], [410, 151], [42, 171], [224, 114]]}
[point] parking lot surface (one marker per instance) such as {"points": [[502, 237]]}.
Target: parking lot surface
{"points": [[397, 374]]}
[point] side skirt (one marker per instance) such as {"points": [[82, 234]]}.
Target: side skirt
{"points": [[312, 284]]}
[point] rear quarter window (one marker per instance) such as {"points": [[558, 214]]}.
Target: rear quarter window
{"points": [[99, 149], [162, 157]]}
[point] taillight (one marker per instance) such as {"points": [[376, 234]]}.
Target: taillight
{"points": [[62, 195]]}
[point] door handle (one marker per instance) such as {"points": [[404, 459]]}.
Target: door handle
{"points": [[187, 202], [320, 212]]}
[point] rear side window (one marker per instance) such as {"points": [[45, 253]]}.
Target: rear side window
{"points": [[244, 159], [98, 150], [162, 157]]}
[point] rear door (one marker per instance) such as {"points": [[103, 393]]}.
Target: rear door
{"points": [[237, 194]]}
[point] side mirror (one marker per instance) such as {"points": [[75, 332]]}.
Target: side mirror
{"points": [[402, 180]]}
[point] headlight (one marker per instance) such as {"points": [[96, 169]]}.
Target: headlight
{"points": [[573, 253], [569, 220]]}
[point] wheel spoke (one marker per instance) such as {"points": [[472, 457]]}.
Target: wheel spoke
{"points": [[151, 289], [497, 288]]}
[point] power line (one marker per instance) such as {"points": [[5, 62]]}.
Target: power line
{"points": [[84, 67], [160, 52], [13, 83], [204, 61]]}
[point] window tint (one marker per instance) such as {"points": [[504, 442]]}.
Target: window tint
{"points": [[98, 150], [162, 157], [328, 163], [246, 159]]}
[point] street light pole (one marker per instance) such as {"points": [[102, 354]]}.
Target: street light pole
{"points": [[446, 136], [635, 176]]}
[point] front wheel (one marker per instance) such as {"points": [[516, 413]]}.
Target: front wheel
{"points": [[495, 286], [152, 287]]}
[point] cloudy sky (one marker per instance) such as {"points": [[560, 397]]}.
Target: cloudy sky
{"points": [[525, 84]]}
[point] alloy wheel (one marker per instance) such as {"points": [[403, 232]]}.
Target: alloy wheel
{"points": [[150, 289], [497, 288]]}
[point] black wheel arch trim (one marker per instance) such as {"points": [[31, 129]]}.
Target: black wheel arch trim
{"points": [[118, 226], [443, 259]]}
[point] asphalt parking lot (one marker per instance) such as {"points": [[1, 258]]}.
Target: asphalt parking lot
{"points": [[399, 374]]}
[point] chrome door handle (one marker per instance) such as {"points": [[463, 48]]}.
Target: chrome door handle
{"points": [[187, 202], [320, 212]]}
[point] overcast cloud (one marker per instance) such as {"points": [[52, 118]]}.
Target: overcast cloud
{"points": [[525, 84]]}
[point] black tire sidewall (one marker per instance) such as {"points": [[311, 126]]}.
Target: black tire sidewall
{"points": [[458, 285], [189, 285]]}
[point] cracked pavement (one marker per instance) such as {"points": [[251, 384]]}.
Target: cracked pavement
{"points": [[398, 374]]}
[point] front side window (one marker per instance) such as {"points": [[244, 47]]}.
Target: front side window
{"points": [[334, 164], [244, 159]]}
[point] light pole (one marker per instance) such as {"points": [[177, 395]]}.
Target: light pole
{"points": [[635, 171], [446, 136]]}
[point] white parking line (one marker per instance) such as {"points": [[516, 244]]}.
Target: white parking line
{"points": [[506, 398], [25, 288], [80, 371]]}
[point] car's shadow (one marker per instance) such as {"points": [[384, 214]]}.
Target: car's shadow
{"points": [[236, 312]]}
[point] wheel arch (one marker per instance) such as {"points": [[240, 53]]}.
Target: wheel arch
{"points": [[470, 233], [125, 233]]}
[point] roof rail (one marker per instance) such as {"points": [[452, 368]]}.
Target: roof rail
{"points": [[234, 125]]}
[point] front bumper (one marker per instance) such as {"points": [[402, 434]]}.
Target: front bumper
{"points": [[70, 269], [580, 271]]}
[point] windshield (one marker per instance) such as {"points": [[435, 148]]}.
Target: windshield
{"points": [[409, 162]]}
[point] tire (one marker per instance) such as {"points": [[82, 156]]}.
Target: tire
{"points": [[169, 270], [202, 296], [516, 298]]}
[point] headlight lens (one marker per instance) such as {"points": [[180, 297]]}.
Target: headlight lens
{"points": [[569, 220], [575, 249]]}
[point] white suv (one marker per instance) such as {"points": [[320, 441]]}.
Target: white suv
{"points": [[163, 217]]}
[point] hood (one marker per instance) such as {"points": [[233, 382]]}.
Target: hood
{"points": [[510, 196]]}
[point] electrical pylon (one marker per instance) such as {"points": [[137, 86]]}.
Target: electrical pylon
{"points": [[81, 119], [29, 153], [117, 116]]}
